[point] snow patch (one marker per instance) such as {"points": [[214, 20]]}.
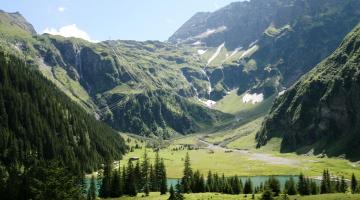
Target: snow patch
{"points": [[209, 32], [218, 50], [282, 92], [253, 43], [201, 51], [208, 103], [197, 43], [248, 52], [253, 98], [235, 51]]}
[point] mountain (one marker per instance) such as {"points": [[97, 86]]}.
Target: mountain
{"points": [[138, 87], [151, 88], [38, 122], [320, 112], [268, 44]]}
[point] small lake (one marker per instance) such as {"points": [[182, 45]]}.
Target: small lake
{"points": [[256, 180]]}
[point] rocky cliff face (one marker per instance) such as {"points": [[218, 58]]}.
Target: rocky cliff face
{"points": [[238, 24], [321, 111], [138, 87], [259, 47], [278, 40]]}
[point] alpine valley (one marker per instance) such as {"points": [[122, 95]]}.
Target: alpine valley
{"points": [[267, 89]]}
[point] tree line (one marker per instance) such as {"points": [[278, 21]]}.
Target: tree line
{"points": [[148, 177], [194, 182], [129, 180]]}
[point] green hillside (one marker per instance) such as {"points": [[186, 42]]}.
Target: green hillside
{"points": [[320, 113], [39, 122]]}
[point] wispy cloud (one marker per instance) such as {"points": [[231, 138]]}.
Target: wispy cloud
{"points": [[69, 31], [61, 9]]}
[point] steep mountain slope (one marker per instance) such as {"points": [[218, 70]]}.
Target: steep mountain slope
{"points": [[321, 111], [257, 48], [139, 87], [38, 122], [267, 44]]}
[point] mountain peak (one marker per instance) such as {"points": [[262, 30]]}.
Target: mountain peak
{"points": [[15, 20]]}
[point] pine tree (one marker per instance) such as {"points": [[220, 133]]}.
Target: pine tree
{"points": [[105, 188], [163, 178], [314, 189], [172, 193], [210, 182], [188, 175], [116, 188], [91, 194], [178, 192], [236, 185], [248, 187], [123, 180], [152, 178], [137, 175], [337, 184], [343, 185], [303, 185], [274, 185], [145, 173], [157, 170], [290, 188], [130, 183], [354, 184]]}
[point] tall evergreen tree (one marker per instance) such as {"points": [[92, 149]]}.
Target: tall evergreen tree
{"points": [[137, 175], [303, 185], [172, 193], [290, 187], [354, 184], [105, 188], [163, 178], [91, 194], [158, 173], [314, 189], [152, 178], [326, 186], [236, 185], [210, 182], [343, 185], [188, 175], [274, 185], [248, 187], [116, 186], [178, 191], [130, 183], [145, 173]]}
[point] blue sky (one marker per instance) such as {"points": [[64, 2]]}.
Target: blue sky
{"points": [[115, 19]]}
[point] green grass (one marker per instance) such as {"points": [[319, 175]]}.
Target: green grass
{"points": [[217, 196], [250, 164], [233, 104], [232, 137], [198, 196]]}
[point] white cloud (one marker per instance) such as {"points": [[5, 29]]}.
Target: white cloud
{"points": [[69, 31], [61, 8]]}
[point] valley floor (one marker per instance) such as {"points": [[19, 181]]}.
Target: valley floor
{"points": [[234, 153], [216, 196]]}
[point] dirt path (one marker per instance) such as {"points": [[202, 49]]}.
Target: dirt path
{"points": [[253, 156]]}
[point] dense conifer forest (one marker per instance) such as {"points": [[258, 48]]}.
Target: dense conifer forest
{"points": [[43, 131]]}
